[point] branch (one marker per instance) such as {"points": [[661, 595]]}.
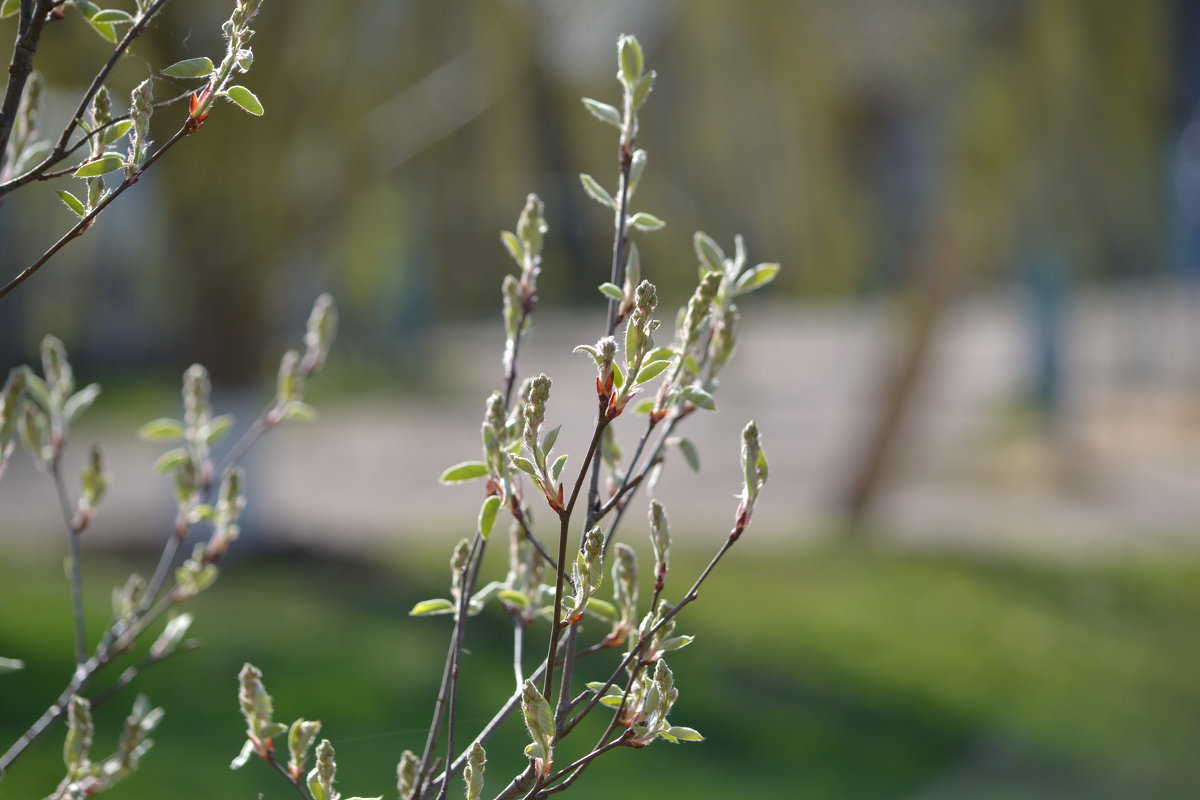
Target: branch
{"points": [[38, 172], [73, 531], [86, 221], [460, 624], [564, 530], [287, 776], [577, 767], [448, 689], [32, 20], [688, 598]]}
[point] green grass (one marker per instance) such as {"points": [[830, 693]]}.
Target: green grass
{"points": [[837, 672]]}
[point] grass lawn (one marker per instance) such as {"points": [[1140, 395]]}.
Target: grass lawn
{"points": [[839, 672]]}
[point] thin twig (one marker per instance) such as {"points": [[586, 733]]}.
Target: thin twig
{"points": [[466, 581], [130, 673], [287, 776], [564, 531], [86, 221], [73, 532], [510, 359], [30, 24], [61, 149], [518, 644], [645, 638], [578, 765], [448, 689]]}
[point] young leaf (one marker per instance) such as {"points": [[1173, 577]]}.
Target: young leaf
{"points": [[299, 411], [9, 7], [101, 166], [642, 90], [755, 278], [523, 464], [115, 131], [80, 401], [689, 454], [709, 252], [513, 245], [426, 608], [487, 514], [644, 406], [111, 15], [246, 99], [464, 471], [699, 398], [169, 460], [609, 290], [684, 734], [557, 468], [190, 68], [596, 191], [217, 428], [73, 202], [550, 438], [163, 429], [646, 222], [603, 112], [651, 371]]}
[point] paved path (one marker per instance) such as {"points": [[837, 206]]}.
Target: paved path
{"points": [[1123, 475]]}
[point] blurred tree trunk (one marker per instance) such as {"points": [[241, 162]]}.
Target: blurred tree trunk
{"points": [[936, 281]]}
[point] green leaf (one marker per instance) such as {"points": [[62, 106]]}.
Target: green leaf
{"points": [[596, 191], [604, 112], [80, 401], [487, 514], [513, 596], [618, 375], [609, 290], [163, 429], [106, 31], [110, 15], [190, 68], [115, 131], [646, 222], [659, 354], [169, 460], [676, 643], [550, 438], [73, 202], [557, 467], [9, 7], [513, 245], [699, 398], [426, 608], [602, 608], [709, 252], [644, 406], [689, 454], [217, 428], [755, 278], [101, 166], [642, 90], [651, 371], [684, 734], [464, 471], [246, 99], [299, 411], [629, 59], [523, 464]]}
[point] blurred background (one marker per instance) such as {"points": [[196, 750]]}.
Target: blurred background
{"points": [[975, 571]]}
